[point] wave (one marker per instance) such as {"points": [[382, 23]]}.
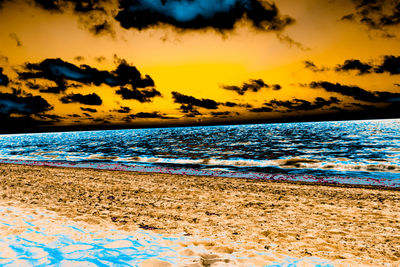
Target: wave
{"points": [[341, 164]]}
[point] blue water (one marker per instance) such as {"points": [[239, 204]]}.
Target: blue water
{"points": [[368, 149]]}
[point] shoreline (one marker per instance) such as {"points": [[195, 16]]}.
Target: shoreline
{"points": [[339, 181], [237, 215]]}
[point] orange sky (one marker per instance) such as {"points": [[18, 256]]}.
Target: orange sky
{"points": [[199, 62]]}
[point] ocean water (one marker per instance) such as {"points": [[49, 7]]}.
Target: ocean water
{"points": [[359, 149]]}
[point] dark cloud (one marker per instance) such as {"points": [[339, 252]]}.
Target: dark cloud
{"points": [[87, 115], [230, 104], [146, 115], [376, 14], [50, 117], [60, 72], [200, 14], [144, 95], [252, 85], [91, 99], [356, 92], [397, 84], [302, 105], [391, 64], [101, 28], [89, 109], [16, 39], [74, 115], [3, 78], [13, 104], [296, 105], [262, 109], [311, 66], [122, 110], [79, 6], [355, 64], [188, 102], [221, 113]]}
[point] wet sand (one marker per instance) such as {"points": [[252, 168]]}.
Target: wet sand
{"points": [[347, 225]]}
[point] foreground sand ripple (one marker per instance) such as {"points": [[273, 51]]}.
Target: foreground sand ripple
{"points": [[239, 216]]}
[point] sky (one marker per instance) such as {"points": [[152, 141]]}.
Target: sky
{"points": [[97, 64]]}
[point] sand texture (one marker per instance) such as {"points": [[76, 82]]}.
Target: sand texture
{"points": [[223, 215]]}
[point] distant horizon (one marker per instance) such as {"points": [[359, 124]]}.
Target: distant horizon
{"points": [[65, 128]]}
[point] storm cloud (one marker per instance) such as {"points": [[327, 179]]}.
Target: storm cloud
{"points": [[91, 99], [356, 92], [200, 14], [252, 85], [60, 72]]}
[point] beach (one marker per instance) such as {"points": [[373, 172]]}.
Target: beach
{"points": [[347, 225]]}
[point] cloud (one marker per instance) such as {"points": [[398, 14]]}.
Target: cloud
{"points": [[375, 14], [79, 6], [397, 84], [101, 28], [252, 85], [16, 39], [189, 102], [122, 110], [200, 14], [100, 59], [288, 40], [145, 95], [221, 113], [91, 99], [232, 104], [296, 105], [355, 64], [146, 115], [89, 109], [50, 117], [79, 58], [3, 78], [13, 104], [391, 64], [262, 109], [311, 66], [60, 72], [356, 92]]}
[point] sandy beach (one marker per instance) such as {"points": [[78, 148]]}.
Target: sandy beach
{"points": [[346, 225]]}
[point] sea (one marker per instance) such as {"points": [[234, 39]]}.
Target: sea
{"points": [[355, 152]]}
